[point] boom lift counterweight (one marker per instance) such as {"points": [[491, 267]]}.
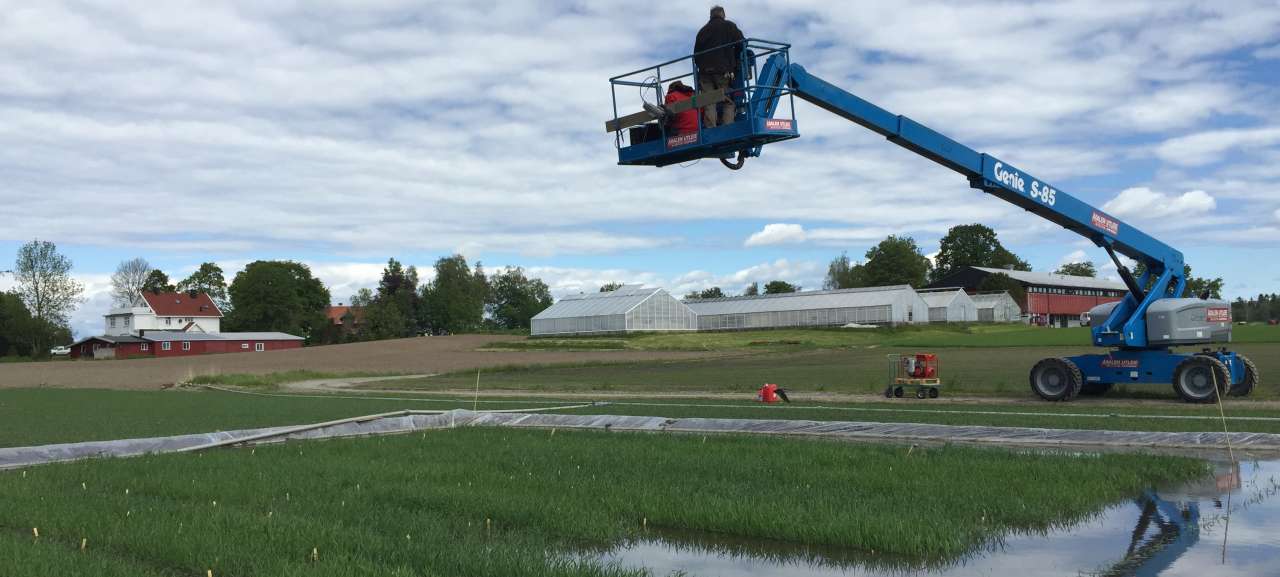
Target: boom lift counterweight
{"points": [[1139, 330]]}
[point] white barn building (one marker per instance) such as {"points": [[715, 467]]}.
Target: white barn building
{"points": [[873, 305], [950, 306], [997, 307], [631, 308]]}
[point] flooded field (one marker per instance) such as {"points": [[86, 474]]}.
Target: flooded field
{"points": [[1225, 526]]}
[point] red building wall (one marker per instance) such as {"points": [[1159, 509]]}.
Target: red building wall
{"points": [[122, 350], [1061, 310], [1046, 304], [215, 347]]}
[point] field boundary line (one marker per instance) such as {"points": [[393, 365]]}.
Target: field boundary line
{"points": [[950, 411], [757, 406], [407, 421]]}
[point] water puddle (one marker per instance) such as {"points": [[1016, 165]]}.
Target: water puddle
{"points": [[1225, 526]]}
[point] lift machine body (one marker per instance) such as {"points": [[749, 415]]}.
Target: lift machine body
{"points": [[1139, 331]]}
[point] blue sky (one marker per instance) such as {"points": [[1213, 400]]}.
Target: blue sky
{"points": [[343, 133]]}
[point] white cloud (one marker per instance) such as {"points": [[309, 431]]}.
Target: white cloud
{"points": [[1276, 214], [366, 129], [1145, 203], [566, 281], [1211, 146], [773, 234], [1073, 256], [778, 233]]}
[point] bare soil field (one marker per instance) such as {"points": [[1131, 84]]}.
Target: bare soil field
{"points": [[403, 356]]}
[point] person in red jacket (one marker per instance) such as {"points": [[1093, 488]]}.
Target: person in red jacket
{"points": [[687, 121]]}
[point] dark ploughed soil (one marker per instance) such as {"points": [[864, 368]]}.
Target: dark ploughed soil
{"points": [[415, 355]]}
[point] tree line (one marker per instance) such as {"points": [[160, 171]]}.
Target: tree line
{"points": [[458, 299], [898, 260], [284, 296], [1263, 308]]}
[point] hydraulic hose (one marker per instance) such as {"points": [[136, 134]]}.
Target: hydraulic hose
{"points": [[742, 159]]}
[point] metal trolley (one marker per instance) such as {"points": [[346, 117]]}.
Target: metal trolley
{"points": [[919, 370]]}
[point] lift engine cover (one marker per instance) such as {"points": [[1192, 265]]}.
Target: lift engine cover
{"points": [[1188, 322]]}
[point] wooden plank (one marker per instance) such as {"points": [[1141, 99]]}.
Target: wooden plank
{"points": [[698, 101]]}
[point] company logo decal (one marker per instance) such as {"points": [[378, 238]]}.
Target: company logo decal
{"points": [[682, 140], [777, 124], [1012, 179], [1119, 363], [1105, 222], [1218, 315]]}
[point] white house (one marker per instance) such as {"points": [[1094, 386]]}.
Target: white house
{"points": [[175, 311]]}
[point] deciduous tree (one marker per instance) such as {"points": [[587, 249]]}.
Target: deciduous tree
{"points": [[157, 282], [973, 245], [454, 300], [1085, 268], [842, 274], [210, 280], [774, 287], [128, 280], [1196, 286], [278, 296], [515, 299], [896, 260], [48, 291]]}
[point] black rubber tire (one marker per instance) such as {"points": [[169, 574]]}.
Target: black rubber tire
{"points": [[1056, 379], [888, 392], [1194, 378], [897, 392], [933, 392], [1251, 379], [921, 394], [1095, 389]]}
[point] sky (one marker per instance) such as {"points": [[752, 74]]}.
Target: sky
{"points": [[343, 133]]}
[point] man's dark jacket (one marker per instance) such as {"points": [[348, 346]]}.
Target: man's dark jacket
{"points": [[717, 32]]}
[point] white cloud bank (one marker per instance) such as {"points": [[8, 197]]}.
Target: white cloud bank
{"points": [[1145, 203]]}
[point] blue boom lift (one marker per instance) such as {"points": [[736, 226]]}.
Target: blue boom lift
{"points": [[1140, 330]]}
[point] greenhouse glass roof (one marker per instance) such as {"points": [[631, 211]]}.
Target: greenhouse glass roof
{"points": [[598, 304], [828, 299]]}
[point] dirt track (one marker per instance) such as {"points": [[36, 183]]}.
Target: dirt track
{"points": [[418, 355]]}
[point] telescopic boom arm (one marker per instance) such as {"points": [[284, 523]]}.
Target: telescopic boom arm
{"points": [[1162, 263]]}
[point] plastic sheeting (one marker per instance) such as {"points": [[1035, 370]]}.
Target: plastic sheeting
{"points": [[11, 458]]}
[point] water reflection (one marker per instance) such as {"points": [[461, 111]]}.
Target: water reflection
{"points": [[1225, 526]]}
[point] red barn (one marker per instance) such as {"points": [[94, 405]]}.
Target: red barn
{"points": [[176, 344], [1052, 299]]}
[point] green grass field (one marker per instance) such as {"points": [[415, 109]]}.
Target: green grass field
{"points": [[506, 502], [966, 371], [932, 336], [45, 416]]}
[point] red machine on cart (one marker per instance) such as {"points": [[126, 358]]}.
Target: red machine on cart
{"points": [[919, 370]]}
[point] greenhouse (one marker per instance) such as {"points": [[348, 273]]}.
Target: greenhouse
{"points": [[630, 308], [950, 305], [874, 305], [997, 307]]}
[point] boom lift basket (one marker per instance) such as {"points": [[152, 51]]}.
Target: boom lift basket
{"points": [[642, 138]]}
